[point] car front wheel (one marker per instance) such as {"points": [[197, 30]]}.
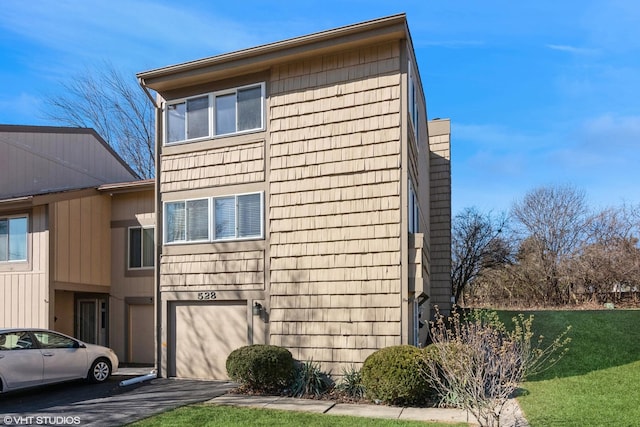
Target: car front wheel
{"points": [[100, 371]]}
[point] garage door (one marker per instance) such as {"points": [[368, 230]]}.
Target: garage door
{"points": [[204, 335]]}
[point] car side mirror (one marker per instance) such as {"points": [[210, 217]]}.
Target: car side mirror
{"points": [[78, 344]]}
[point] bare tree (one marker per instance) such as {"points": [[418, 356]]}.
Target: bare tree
{"points": [[104, 99], [475, 244], [610, 263], [555, 223]]}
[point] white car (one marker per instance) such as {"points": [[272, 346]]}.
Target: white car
{"points": [[33, 357]]}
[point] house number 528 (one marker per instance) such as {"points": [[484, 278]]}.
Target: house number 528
{"points": [[206, 296]]}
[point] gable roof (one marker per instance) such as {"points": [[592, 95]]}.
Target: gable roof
{"points": [[45, 159]]}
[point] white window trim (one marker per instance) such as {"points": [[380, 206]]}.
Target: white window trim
{"points": [[235, 90], [9, 217], [165, 122], [184, 201], [142, 267], [211, 220], [211, 114], [212, 226]]}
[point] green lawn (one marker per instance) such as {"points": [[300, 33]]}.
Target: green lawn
{"points": [[228, 416], [596, 384], [598, 381]]}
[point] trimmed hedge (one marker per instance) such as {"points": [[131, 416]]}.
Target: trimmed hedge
{"points": [[261, 367], [394, 375]]}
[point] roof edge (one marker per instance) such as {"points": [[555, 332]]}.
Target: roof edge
{"points": [[269, 48]]}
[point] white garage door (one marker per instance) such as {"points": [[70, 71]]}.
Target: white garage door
{"points": [[204, 335]]}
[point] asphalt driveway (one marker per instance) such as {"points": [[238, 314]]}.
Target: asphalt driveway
{"points": [[107, 404]]}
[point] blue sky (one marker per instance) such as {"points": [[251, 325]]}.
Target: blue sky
{"points": [[539, 93]]}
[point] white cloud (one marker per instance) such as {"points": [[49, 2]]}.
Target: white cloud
{"points": [[573, 49], [140, 31]]}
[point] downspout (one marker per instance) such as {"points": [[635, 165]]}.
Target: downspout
{"points": [[157, 237]]}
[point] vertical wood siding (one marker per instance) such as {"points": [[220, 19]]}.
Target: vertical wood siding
{"points": [[24, 295], [81, 245], [334, 206], [131, 208]]}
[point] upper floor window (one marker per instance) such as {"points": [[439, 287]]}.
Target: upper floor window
{"points": [[141, 253], [414, 210], [225, 112], [413, 102], [13, 239], [219, 218]]}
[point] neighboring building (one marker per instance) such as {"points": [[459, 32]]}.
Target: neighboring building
{"points": [[301, 201], [69, 215]]}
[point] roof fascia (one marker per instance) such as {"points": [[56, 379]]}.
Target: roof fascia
{"points": [[263, 57]]}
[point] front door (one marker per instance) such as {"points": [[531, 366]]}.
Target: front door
{"points": [[91, 322]]}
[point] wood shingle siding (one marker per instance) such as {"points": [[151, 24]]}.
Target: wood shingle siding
{"points": [[213, 167], [232, 270], [335, 205]]}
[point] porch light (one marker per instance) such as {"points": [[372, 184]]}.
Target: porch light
{"points": [[257, 309]]}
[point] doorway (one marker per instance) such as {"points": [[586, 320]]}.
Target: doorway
{"points": [[91, 319]]}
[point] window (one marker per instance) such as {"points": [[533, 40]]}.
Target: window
{"points": [[188, 119], [141, 253], [238, 217], [238, 111], [232, 217], [51, 340], [413, 103], [414, 211], [13, 239], [220, 113], [187, 221], [16, 341]]}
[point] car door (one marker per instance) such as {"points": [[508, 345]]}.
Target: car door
{"points": [[64, 358], [21, 362]]}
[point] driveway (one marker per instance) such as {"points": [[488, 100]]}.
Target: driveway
{"points": [[106, 404]]}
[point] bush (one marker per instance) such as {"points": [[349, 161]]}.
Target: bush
{"points": [[351, 383], [261, 367], [392, 375], [310, 380], [476, 363]]}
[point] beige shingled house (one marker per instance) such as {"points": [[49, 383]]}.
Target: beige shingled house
{"points": [[76, 240], [303, 200]]}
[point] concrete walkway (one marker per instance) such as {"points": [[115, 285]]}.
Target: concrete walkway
{"points": [[511, 418]]}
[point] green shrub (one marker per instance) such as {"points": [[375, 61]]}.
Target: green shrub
{"points": [[393, 375], [310, 380], [351, 383], [261, 367]]}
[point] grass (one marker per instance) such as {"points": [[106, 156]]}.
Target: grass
{"points": [[598, 382], [229, 416]]}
